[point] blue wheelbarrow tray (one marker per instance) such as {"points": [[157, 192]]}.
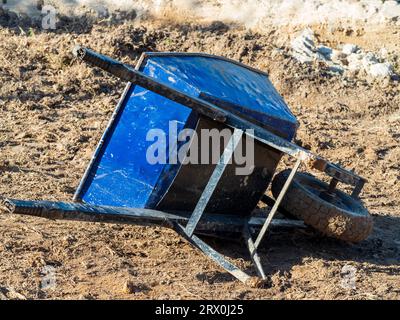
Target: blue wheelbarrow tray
{"points": [[120, 175], [189, 91]]}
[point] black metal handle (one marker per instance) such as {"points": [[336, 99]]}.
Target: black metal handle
{"points": [[128, 73]]}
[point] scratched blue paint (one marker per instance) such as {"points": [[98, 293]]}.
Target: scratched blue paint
{"points": [[229, 82], [121, 175]]}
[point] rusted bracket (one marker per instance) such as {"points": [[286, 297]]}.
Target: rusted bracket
{"points": [[337, 173]]}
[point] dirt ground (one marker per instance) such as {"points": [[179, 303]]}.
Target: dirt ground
{"points": [[54, 110]]}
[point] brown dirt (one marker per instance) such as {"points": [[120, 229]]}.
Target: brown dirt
{"points": [[54, 110]]}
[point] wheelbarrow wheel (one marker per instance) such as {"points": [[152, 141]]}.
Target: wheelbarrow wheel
{"points": [[336, 215]]}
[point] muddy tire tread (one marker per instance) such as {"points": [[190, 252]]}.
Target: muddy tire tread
{"points": [[328, 219]]}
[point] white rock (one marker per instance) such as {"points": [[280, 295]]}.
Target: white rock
{"points": [[390, 10], [338, 56], [369, 59], [355, 62], [350, 60], [355, 66], [350, 48], [383, 53], [356, 56], [381, 70], [304, 47], [308, 33]]}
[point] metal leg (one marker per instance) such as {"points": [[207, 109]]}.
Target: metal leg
{"points": [[188, 231], [276, 205], [357, 190], [253, 252], [212, 183], [214, 255]]}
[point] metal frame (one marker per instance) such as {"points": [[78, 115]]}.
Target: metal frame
{"points": [[217, 113], [221, 224], [212, 183]]}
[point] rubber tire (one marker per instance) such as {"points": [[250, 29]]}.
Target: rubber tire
{"points": [[352, 224]]}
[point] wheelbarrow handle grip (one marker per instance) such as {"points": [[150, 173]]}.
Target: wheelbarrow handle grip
{"points": [[128, 73], [119, 69], [91, 57]]}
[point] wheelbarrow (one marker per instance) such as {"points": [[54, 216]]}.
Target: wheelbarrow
{"points": [[153, 165]]}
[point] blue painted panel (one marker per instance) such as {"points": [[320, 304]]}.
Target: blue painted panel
{"points": [[123, 176], [230, 82]]}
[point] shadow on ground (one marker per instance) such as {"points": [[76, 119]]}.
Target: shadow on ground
{"points": [[282, 250]]}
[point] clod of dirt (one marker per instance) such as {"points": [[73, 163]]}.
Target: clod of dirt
{"points": [[87, 296], [256, 282], [131, 287]]}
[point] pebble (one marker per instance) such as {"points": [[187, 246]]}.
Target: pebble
{"points": [[350, 48], [381, 70], [129, 287]]}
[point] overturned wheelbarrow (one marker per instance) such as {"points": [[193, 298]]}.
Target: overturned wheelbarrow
{"points": [[154, 164]]}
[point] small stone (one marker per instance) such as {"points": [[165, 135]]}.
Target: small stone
{"points": [[369, 59], [87, 296], [390, 10], [154, 283], [381, 70], [350, 48], [383, 53], [303, 46], [129, 287]]}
